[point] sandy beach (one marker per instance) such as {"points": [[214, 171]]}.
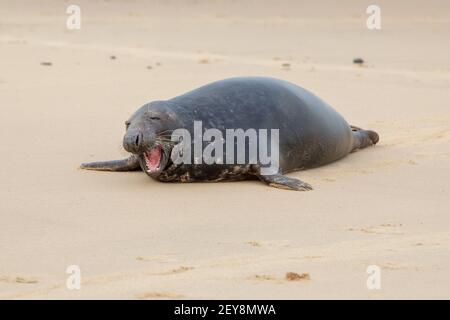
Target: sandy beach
{"points": [[65, 95]]}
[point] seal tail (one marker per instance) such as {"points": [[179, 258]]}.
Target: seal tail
{"points": [[363, 138]]}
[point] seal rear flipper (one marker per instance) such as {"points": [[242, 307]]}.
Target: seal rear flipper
{"points": [[283, 182], [363, 138], [128, 164]]}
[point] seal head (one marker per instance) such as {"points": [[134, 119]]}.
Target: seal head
{"points": [[148, 136]]}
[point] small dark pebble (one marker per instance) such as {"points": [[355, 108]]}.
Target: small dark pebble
{"points": [[286, 65], [149, 67], [358, 61], [158, 63], [46, 63], [112, 57]]}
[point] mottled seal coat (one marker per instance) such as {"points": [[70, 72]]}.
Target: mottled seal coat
{"points": [[311, 133]]}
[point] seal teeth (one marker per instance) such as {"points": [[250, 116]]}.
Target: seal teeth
{"points": [[152, 159]]}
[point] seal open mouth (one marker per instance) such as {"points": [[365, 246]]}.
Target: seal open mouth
{"points": [[152, 159]]}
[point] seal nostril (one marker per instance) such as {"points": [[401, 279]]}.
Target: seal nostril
{"points": [[137, 140]]}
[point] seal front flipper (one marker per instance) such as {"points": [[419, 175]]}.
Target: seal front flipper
{"points": [[128, 164], [283, 182]]}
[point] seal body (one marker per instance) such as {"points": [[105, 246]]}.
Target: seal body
{"points": [[311, 133]]}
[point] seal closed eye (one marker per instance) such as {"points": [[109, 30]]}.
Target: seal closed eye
{"points": [[311, 133]]}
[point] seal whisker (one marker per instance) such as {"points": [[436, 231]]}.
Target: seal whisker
{"points": [[168, 138], [165, 141], [164, 138], [166, 134], [164, 131]]}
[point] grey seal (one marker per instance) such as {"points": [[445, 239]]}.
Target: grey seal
{"points": [[311, 133]]}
